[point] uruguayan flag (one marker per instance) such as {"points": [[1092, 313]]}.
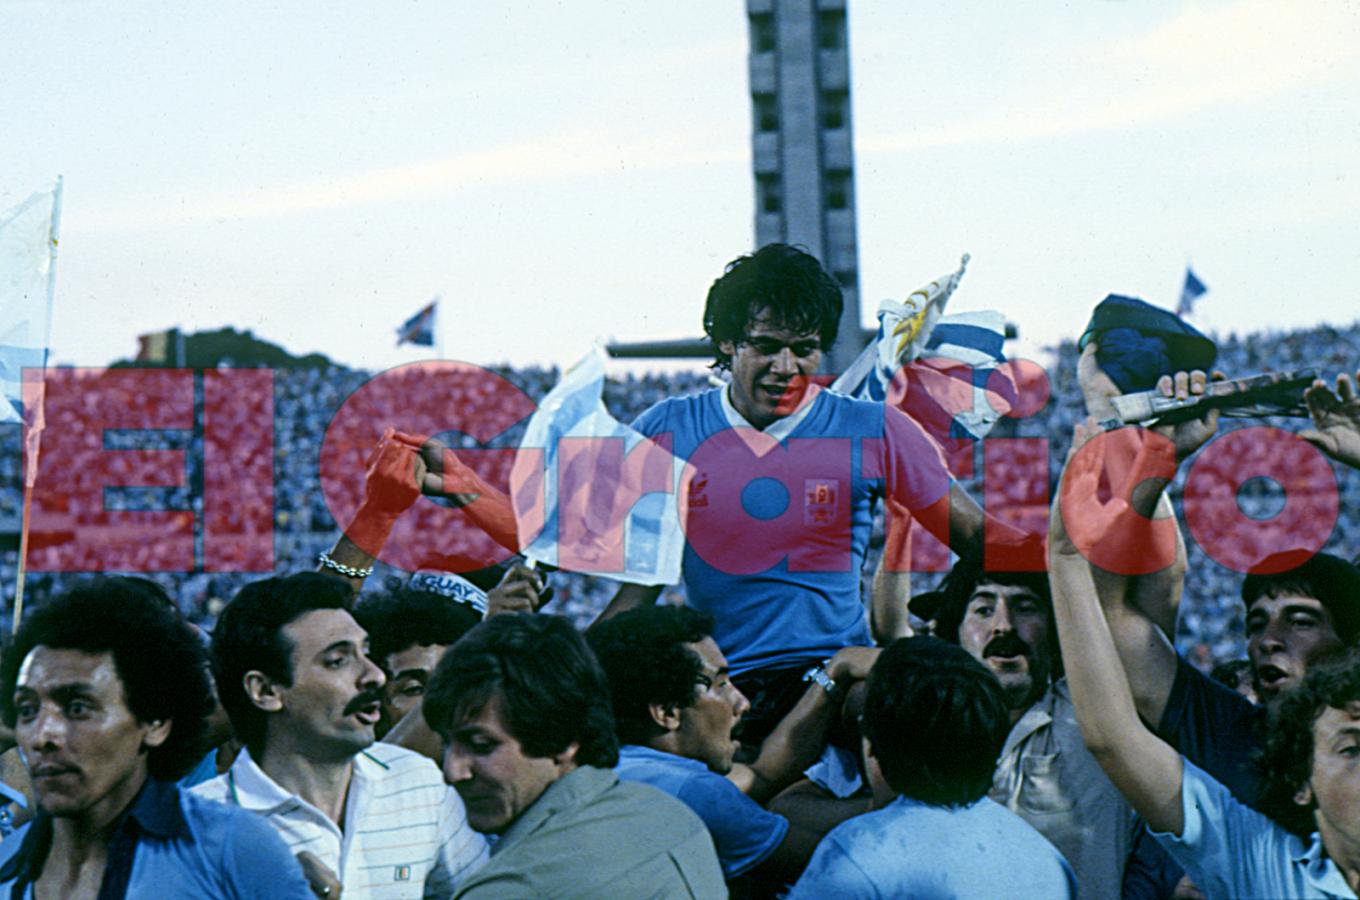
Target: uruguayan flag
{"points": [[28, 251], [921, 355], [591, 494]]}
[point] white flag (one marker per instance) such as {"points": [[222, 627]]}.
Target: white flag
{"points": [[28, 252], [591, 494]]}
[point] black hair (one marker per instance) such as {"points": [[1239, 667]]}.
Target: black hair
{"points": [[404, 618], [249, 637], [937, 720], [1285, 760], [1328, 579], [552, 691], [785, 280], [643, 654], [158, 656]]}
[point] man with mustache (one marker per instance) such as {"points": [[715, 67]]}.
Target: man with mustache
{"points": [[107, 689], [293, 672], [1005, 621]]}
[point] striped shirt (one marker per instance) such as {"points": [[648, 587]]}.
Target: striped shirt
{"points": [[406, 833]]}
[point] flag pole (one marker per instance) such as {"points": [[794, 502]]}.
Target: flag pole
{"points": [[34, 420]]}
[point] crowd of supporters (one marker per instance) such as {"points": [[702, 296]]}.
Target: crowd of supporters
{"points": [[1031, 714], [1210, 630]]}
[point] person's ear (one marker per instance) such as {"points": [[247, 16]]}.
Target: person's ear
{"points": [[567, 758], [728, 348], [262, 691], [666, 717], [1304, 795], [157, 733]]}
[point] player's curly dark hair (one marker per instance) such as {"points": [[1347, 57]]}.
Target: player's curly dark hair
{"points": [[403, 618], [644, 656], [785, 280], [159, 658], [1285, 760]]}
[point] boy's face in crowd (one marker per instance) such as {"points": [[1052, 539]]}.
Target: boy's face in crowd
{"points": [[334, 702], [85, 749], [1335, 781], [411, 669], [488, 767], [1005, 627], [771, 366], [708, 725], [1284, 636]]}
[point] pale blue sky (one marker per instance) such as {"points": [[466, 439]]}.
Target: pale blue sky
{"points": [[561, 171]]}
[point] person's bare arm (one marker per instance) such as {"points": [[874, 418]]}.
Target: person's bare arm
{"points": [[391, 484], [798, 739], [891, 588], [1145, 768], [1140, 573], [630, 596]]}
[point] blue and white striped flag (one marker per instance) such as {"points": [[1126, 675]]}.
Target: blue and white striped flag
{"points": [[591, 494], [28, 255], [939, 369]]}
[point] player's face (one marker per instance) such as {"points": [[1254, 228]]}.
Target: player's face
{"points": [[1284, 636], [708, 726], [771, 366], [411, 669], [333, 705], [488, 767], [1005, 627], [1335, 780], [85, 749]]}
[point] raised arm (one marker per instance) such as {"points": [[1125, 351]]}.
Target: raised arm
{"points": [[1140, 579], [1144, 768], [391, 485]]}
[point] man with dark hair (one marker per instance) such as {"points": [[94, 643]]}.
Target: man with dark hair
{"points": [[935, 721], [677, 710], [408, 631], [107, 689], [293, 673], [1300, 607], [1311, 745], [1005, 621], [795, 470], [523, 709]]}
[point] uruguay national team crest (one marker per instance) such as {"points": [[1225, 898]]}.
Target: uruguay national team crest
{"points": [[819, 500]]}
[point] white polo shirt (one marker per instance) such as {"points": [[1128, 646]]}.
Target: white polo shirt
{"points": [[406, 833]]}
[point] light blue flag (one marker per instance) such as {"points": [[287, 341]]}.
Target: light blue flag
{"points": [[28, 252], [591, 494]]}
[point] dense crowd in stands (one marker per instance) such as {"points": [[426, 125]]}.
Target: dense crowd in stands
{"points": [[1030, 714], [306, 400]]}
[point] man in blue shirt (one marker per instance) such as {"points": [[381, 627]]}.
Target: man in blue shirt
{"points": [[677, 712], [780, 505], [935, 721], [109, 695], [1311, 744]]}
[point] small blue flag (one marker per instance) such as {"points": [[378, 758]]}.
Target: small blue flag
{"points": [[1193, 290], [419, 329]]}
